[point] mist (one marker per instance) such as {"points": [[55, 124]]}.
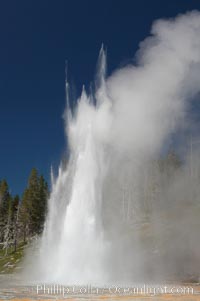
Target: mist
{"points": [[125, 209]]}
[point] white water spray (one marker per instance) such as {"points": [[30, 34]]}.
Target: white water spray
{"points": [[73, 238]]}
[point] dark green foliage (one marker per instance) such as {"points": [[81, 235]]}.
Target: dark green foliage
{"points": [[34, 204], [22, 219], [5, 200], [42, 206]]}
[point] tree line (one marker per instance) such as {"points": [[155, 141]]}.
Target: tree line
{"points": [[22, 218]]}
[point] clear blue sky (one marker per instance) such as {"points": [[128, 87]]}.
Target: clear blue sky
{"points": [[36, 37]]}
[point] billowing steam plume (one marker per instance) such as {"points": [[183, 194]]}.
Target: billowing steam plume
{"points": [[117, 211]]}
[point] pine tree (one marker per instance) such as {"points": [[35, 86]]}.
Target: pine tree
{"points": [[15, 220], [33, 201], [25, 215], [43, 196], [8, 228], [34, 204], [4, 207]]}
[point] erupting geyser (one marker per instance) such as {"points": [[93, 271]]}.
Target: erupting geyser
{"points": [[111, 209], [76, 220]]}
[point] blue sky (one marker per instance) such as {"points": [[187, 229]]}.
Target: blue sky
{"points": [[36, 37]]}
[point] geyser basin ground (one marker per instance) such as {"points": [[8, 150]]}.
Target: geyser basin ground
{"points": [[192, 293]]}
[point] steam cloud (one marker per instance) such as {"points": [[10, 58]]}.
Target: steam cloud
{"points": [[114, 214]]}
